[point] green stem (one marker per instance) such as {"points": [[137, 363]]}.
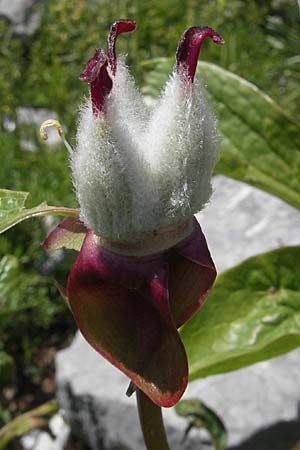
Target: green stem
{"points": [[35, 418], [152, 423]]}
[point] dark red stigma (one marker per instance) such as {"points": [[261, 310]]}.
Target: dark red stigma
{"points": [[117, 28], [96, 74], [189, 47], [95, 71]]}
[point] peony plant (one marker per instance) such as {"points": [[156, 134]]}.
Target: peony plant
{"points": [[144, 267]]}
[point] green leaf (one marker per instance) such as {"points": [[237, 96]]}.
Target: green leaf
{"points": [[252, 314], [13, 210], [7, 368], [25, 303], [260, 141], [24, 423], [69, 234], [199, 415]]}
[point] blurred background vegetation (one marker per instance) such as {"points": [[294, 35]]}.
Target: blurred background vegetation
{"points": [[41, 71]]}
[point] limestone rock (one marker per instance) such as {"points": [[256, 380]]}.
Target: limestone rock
{"points": [[20, 14], [242, 221], [253, 402], [92, 393], [42, 440]]}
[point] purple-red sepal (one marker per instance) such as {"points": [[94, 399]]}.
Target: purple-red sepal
{"points": [[191, 275], [121, 307], [129, 308]]}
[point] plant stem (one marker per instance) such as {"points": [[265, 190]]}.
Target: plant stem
{"points": [[35, 418], [152, 423]]}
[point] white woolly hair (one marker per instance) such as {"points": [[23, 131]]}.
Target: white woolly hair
{"points": [[135, 171]]}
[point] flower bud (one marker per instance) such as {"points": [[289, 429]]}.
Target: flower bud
{"points": [[143, 267], [139, 174]]}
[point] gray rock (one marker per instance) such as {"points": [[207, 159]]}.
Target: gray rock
{"points": [[20, 14], [42, 440], [258, 404], [92, 393], [15, 10], [242, 221], [255, 398], [251, 400]]}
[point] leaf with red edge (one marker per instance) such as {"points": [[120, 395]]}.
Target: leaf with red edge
{"points": [[69, 234], [121, 307]]}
